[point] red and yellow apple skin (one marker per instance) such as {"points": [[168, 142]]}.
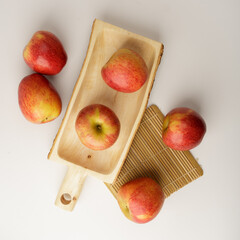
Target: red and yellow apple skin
{"points": [[141, 199], [126, 71], [45, 54], [38, 99], [97, 127], [183, 129]]}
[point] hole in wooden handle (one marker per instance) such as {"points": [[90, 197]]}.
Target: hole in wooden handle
{"points": [[66, 198]]}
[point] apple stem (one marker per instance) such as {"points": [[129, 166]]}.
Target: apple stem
{"points": [[99, 128]]}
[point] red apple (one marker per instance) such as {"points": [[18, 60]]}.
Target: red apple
{"points": [[183, 129], [38, 99], [45, 54], [141, 199], [97, 127], [126, 71]]}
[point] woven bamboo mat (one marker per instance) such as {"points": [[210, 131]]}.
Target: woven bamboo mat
{"points": [[149, 156]]}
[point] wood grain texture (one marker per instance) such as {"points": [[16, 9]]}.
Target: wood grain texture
{"points": [[70, 189], [90, 89], [150, 157]]}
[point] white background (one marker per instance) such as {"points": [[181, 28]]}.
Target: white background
{"points": [[199, 69]]}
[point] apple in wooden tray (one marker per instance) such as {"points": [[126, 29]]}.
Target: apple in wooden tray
{"points": [[183, 129], [45, 53], [126, 71], [141, 199], [97, 127], [38, 99]]}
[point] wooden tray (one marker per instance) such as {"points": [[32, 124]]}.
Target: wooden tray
{"points": [[149, 156], [90, 88]]}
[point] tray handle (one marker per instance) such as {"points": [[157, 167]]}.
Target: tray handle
{"points": [[71, 188]]}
